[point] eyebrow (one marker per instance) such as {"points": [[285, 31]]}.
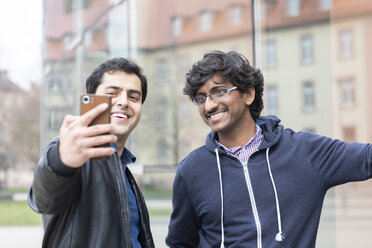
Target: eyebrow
{"points": [[223, 81], [121, 89], [114, 87], [135, 92]]}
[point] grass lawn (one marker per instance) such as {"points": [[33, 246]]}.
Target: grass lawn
{"points": [[17, 213], [157, 193], [160, 212]]}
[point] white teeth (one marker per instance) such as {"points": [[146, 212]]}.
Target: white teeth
{"points": [[120, 115], [216, 115]]}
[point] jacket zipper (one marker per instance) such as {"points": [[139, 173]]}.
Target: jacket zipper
{"points": [[253, 203]]}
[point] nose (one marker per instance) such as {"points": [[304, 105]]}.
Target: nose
{"points": [[122, 100], [209, 104]]}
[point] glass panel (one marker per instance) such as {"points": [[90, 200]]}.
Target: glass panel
{"points": [[326, 85], [299, 41]]}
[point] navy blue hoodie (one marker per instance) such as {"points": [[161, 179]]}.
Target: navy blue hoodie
{"points": [[273, 200]]}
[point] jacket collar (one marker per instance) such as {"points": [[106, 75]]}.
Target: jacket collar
{"points": [[126, 156]]}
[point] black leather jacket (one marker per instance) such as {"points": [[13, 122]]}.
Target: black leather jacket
{"points": [[90, 207]]}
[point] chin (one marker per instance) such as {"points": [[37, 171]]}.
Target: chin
{"points": [[120, 131]]}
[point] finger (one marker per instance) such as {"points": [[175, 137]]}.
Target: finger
{"points": [[96, 141], [97, 152], [96, 130], [69, 119], [89, 116]]}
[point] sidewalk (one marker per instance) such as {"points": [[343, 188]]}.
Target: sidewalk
{"points": [[21, 236], [31, 236]]}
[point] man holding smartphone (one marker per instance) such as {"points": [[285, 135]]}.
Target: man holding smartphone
{"points": [[90, 202]]}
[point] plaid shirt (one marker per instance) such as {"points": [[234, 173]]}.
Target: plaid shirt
{"points": [[243, 153]]}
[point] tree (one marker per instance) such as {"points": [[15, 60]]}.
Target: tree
{"points": [[19, 135]]}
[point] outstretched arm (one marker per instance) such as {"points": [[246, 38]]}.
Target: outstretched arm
{"points": [[56, 179]]}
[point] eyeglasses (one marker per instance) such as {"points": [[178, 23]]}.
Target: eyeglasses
{"points": [[200, 99]]}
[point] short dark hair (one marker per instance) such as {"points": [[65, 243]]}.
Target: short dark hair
{"points": [[231, 66], [112, 65]]}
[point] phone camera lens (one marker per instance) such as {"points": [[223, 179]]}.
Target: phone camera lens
{"points": [[86, 99]]}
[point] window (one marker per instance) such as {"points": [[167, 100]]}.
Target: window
{"points": [[60, 82], [310, 129], [306, 49], [270, 53], [161, 71], [184, 149], [2, 135], [66, 41], [347, 93], [272, 99], [176, 26], [55, 118], [71, 5], [325, 4], [162, 153], [346, 44], [349, 134], [88, 38], [308, 96], [183, 67], [236, 15], [206, 20], [184, 108], [293, 7], [161, 114]]}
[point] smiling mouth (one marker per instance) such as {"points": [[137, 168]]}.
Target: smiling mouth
{"points": [[120, 115], [216, 115]]}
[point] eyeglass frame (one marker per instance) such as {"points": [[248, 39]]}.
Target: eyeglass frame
{"points": [[214, 95]]}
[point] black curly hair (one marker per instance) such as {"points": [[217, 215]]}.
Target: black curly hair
{"points": [[231, 66]]}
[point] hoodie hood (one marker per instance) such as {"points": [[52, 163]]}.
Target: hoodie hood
{"points": [[270, 128]]}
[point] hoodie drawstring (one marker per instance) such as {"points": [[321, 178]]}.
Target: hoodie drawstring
{"points": [[221, 193], [279, 236]]}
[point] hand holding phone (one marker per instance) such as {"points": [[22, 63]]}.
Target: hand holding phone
{"points": [[79, 140], [90, 101]]}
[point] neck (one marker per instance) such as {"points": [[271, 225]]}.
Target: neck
{"points": [[238, 136], [120, 144]]}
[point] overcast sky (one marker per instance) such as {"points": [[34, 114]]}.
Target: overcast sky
{"points": [[20, 40]]}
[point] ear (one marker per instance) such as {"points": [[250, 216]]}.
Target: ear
{"points": [[250, 95]]}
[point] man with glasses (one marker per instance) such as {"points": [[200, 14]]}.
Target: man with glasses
{"points": [[254, 183]]}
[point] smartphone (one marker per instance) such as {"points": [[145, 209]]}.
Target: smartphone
{"points": [[90, 101]]}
